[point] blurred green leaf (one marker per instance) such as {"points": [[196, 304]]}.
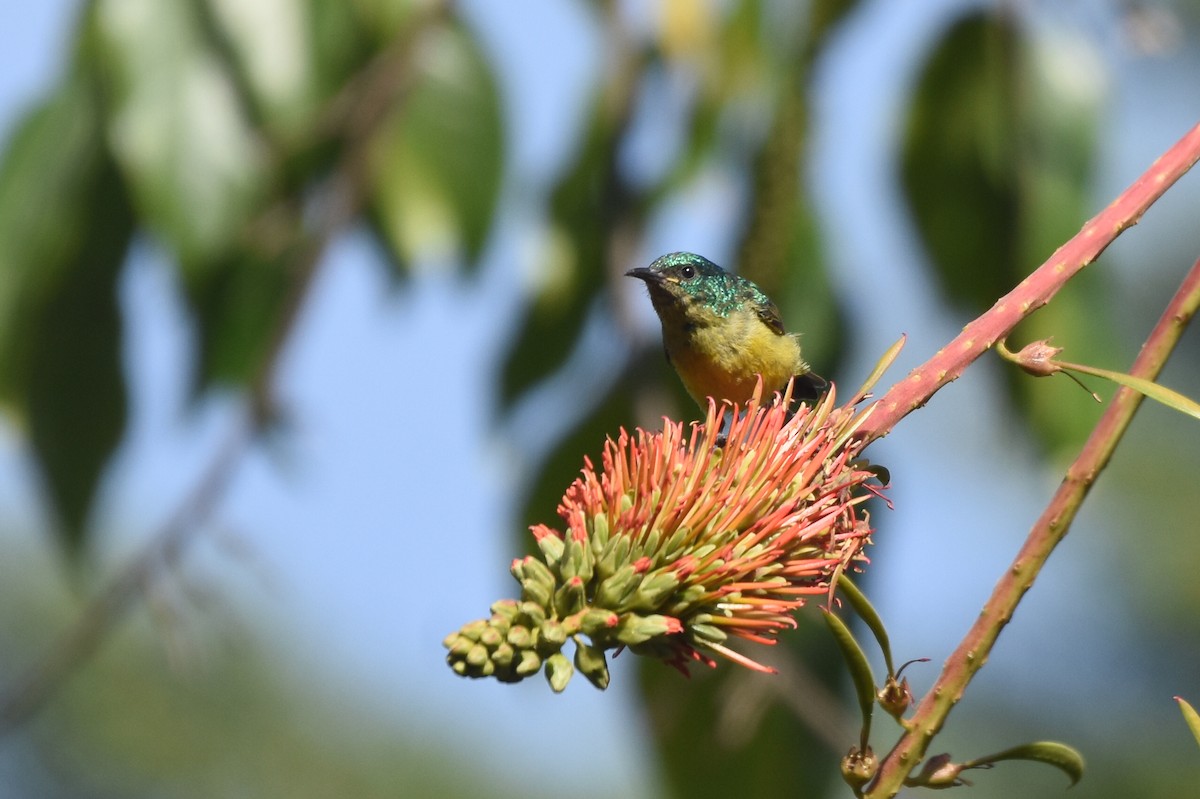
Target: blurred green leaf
{"points": [[996, 164], [588, 206], [729, 732], [237, 310], [65, 226], [781, 248], [1063, 757], [217, 119], [1061, 101], [267, 50], [437, 163], [197, 168], [564, 463], [383, 19], [960, 168], [341, 44]]}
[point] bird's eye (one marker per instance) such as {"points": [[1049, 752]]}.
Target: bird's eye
{"points": [[688, 272]]}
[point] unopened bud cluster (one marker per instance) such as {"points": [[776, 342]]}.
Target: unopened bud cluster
{"points": [[676, 544]]}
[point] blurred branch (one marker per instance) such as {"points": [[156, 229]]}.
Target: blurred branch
{"points": [[353, 117], [1046, 534], [1034, 291]]}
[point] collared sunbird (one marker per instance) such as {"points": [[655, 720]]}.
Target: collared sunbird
{"points": [[720, 332]]}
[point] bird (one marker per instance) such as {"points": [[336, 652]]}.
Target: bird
{"points": [[721, 332]]}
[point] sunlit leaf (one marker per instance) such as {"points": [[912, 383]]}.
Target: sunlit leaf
{"points": [[437, 163], [267, 45], [178, 127]]}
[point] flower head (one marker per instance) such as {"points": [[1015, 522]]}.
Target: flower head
{"points": [[678, 542]]}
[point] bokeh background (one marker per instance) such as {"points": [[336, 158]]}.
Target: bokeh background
{"points": [[388, 237]]}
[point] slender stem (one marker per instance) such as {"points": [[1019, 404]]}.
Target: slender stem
{"points": [[1047, 532], [354, 118], [1034, 291], [26, 694]]}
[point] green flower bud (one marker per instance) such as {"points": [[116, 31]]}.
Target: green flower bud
{"points": [[577, 560], [558, 671], [634, 629], [530, 663], [859, 767], [503, 655], [551, 547], [570, 598], [552, 636], [461, 646], [533, 613], [598, 622], [617, 589], [491, 637], [520, 637], [614, 555], [477, 656], [537, 581], [654, 589], [505, 609], [474, 629], [707, 632], [599, 531], [591, 663]]}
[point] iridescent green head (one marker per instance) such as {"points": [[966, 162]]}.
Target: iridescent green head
{"points": [[682, 280]]}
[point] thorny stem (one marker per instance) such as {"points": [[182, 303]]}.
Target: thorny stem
{"points": [[354, 116], [1047, 532], [1034, 291]]}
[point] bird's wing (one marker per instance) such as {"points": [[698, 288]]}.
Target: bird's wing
{"points": [[769, 314]]}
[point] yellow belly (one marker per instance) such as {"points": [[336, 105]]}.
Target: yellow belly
{"points": [[724, 360]]}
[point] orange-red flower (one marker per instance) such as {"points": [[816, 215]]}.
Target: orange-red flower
{"points": [[678, 542]]}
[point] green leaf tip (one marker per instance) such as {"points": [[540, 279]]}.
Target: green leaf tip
{"points": [[860, 671], [1065, 758], [1190, 716]]}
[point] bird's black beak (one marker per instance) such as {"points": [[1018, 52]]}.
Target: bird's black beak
{"points": [[644, 273]]}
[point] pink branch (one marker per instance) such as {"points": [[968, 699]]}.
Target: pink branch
{"points": [[1034, 291]]}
